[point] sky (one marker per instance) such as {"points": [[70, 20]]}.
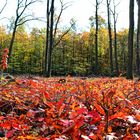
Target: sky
{"points": [[80, 10]]}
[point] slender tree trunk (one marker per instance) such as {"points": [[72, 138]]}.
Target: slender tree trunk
{"points": [[51, 43], [20, 19], [96, 39], [63, 56], [130, 41], [11, 45], [124, 60], [47, 37], [110, 37], [115, 41], [73, 53], [138, 41], [12, 41], [115, 50]]}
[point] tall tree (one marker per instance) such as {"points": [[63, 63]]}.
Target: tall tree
{"points": [[110, 36], [96, 36], [51, 41], [47, 37], [138, 40], [51, 32], [130, 40], [20, 19], [115, 37]]}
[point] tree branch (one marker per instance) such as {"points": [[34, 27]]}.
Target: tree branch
{"points": [[63, 7], [115, 15], [64, 35], [3, 7], [23, 18], [25, 6], [100, 2], [27, 21]]}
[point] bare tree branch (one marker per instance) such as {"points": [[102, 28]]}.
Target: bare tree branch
{"points": [[115, 15], [21, 23], [62, 37], [20, 19], [109, 2], [100, 2], [64, 34], [24, 17], [3, 7], [26, 5], [20, 2], [63, 7]]}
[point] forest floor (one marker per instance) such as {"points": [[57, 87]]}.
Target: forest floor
{"points": [[69, 108]]}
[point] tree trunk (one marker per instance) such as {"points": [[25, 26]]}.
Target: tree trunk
{"points": [[96, 39], [130, 41], [115, 50], [73, 52], [115, 41], [20, 19], [47, 38], [51, 41], [110, 37], [138, 41], [12, 41]]}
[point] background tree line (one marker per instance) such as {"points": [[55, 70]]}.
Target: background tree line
{"points": [[55, 51], [74, 54]]}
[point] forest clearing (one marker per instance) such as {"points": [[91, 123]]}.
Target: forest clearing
{"points": [[63, 81]]}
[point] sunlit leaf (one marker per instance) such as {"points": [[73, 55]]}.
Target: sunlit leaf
{"points": [[99, 108]]}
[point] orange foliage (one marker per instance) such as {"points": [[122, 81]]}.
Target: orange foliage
{"points": [[47, 109]]}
